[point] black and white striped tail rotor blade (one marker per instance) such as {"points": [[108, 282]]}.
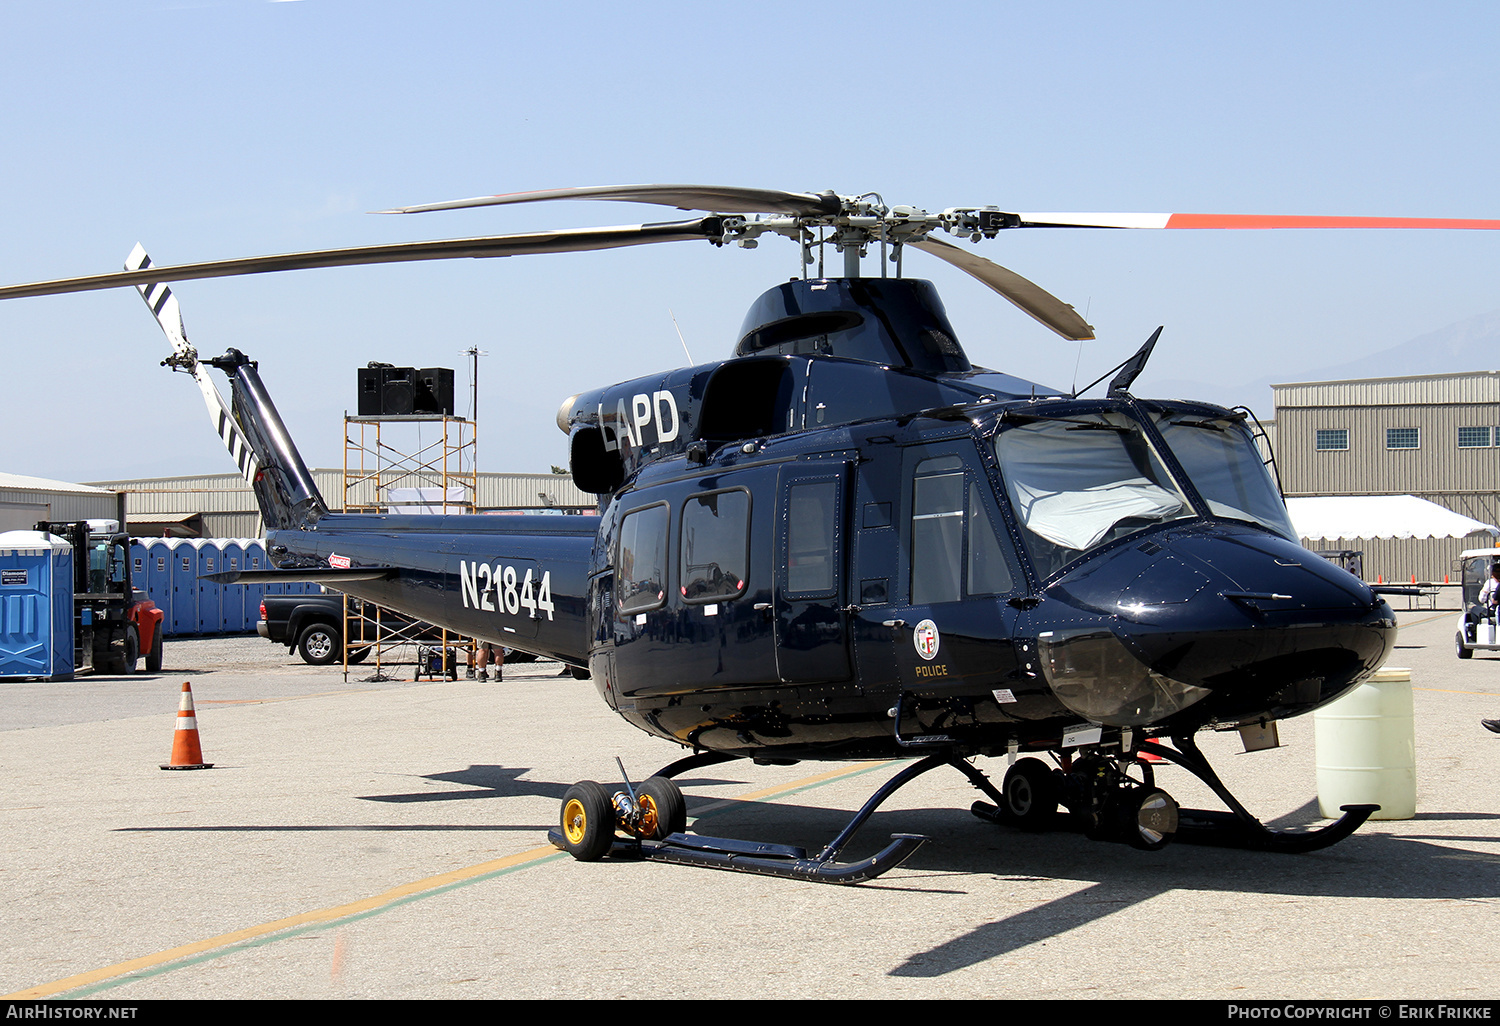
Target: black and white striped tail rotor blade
{"points": [[168, 314], [162, 302]]}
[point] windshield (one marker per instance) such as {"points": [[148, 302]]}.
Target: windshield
{"points": [[1076, 483], [1223, 463]]}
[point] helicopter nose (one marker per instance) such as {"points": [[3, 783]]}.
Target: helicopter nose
{"points": [[1210, 624]]}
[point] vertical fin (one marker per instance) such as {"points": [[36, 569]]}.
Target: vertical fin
{"points": [[168, 314]]}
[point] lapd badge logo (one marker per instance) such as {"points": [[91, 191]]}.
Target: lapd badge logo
{"points": [[925, 637]]}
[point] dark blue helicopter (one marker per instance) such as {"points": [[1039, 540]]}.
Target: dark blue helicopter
{"points": [[848, 542]]}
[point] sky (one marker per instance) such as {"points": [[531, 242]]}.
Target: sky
{"points": [[208, 130]]}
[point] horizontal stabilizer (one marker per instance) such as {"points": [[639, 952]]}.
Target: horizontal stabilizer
{"points": [[316, 574]]}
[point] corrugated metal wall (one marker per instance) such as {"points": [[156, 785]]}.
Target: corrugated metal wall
{"points": [[63, 504], [1437, 406], [1465, 480]]}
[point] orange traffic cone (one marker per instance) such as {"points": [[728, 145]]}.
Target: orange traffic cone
{"points": [[187, 754]]}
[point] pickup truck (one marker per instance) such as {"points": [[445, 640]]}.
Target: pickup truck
{"points": [[313, 625]]}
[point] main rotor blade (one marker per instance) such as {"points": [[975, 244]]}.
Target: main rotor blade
{"points": [[1242, 221], [1027, 295], [569, 240], [720, 199]]}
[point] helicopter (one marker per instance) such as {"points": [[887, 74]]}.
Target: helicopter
{"points": [[848, 542]]}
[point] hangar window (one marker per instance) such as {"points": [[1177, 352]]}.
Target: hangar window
{"points": [[1403, 438], [1473, 438], [641, 570], [715, 545], [1333, 439]]}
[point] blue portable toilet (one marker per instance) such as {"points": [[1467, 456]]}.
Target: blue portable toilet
{"points": [[254, 559], [36, 606], [184, 573], [210, 593], [232, 606], [158, 578], [138, 564]]}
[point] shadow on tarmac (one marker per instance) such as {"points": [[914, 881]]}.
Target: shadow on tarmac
{"points": [[1115, 877]]}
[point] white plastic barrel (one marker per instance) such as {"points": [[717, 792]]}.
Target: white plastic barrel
{"points": [[1366, 748]]}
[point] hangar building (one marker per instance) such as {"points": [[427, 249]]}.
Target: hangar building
{"points": [[1435, 436], [26, 500]]}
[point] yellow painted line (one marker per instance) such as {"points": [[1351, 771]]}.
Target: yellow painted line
{"points": [[809, 781], [305, 919], [366, 905], [783, 789], [1428, 619]]}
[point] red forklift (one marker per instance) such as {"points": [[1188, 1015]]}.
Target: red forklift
{"points": [[111, 617]]}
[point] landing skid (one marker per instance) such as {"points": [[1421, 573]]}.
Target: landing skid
{"points": [[1110, 804], [1238, 828]]}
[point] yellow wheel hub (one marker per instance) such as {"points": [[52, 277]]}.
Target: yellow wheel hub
{"points": [[575, 821], [649, 817]]}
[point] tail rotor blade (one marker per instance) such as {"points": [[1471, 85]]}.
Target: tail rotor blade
{"points": [[168, 314]]}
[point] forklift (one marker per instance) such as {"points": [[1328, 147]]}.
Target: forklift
{"points": [[111, 617]]}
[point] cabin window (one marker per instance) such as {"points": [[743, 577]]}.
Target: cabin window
{"points": [[715, 546], [641, 570], [1223, 463], [954, 548], [1077, 483], [812, 538], [988, 573]]}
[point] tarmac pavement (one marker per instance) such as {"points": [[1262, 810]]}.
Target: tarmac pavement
{"points": [[375, 840]]}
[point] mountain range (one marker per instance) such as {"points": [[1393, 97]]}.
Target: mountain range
{"points": [[1466, 345]]}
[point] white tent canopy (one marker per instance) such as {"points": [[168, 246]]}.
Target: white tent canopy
{"points": [[1379, 516]]}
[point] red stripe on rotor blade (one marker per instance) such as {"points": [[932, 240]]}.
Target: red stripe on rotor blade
{"points": [[1285, 221]]}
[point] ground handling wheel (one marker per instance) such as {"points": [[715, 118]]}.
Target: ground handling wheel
{"points": [[1031, 794], [588, 821], [1464, 651], [663, 810]]}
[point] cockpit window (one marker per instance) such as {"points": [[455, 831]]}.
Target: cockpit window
{"points": [[1080, 482], [1223, 463]]}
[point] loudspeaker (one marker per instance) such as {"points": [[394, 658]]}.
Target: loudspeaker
{"points": [[369, 390], [435, 391], [387, 391], [398, 391]]}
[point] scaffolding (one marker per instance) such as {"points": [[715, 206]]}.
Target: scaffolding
{"points": [[390, 468]]}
